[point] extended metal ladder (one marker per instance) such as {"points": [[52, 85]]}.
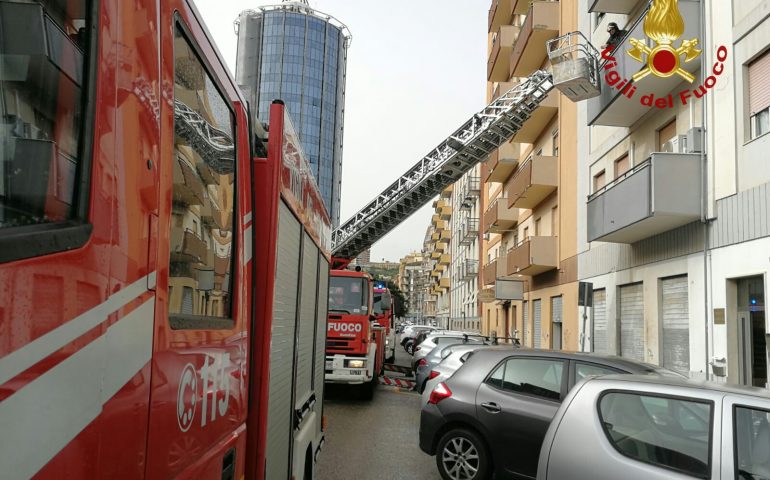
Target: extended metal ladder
{"points": [[470, 144]]}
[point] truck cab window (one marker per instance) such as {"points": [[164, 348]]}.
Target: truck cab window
{"points": [[44, 46], [203, 195], [348, 295]]}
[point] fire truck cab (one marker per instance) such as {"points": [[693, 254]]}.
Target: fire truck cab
{"points": [[384, 311]]}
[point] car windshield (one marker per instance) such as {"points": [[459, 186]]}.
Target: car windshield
{"points": [[348, 295]]}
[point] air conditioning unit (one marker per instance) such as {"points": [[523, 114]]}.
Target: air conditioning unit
{"points": [[677, 144], [695, 140]]}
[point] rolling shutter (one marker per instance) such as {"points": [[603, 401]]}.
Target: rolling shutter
{"points": [[525, 320], [759, 84], [306, 328], [676, 324], [187, 301], [282, 341], [536, 314], [632, 322], [600, 323], [320, 338]]}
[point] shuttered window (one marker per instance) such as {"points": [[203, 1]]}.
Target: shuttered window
{"points": [[525, 320], [622, 165], [599, 181], [666, 134], [536, 314], [556, 322], [600, 322], [759, 95]]}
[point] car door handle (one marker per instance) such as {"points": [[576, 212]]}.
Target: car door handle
{"points": [[491, 407]]}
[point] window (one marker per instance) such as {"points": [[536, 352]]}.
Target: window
{"points": [[532, 376], [752, 443], [203, 195], [583, 370], [348, 295], [622, 165], [666, 134], [45, 116], [759, 95], [537, 226], [666, 432], [555, 139], [599, 181], [555, 221]]}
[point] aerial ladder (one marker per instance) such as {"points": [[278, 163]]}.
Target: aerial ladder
{"points": [[575, 72]]}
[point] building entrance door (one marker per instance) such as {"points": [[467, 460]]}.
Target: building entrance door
{"points": [[752, 333]]}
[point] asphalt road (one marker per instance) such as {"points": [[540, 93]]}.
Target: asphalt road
{"points": [[375, 440]]}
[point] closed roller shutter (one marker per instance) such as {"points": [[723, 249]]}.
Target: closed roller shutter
{"points": [[676, 324], [556, 322], [632, 322], [759, 84], [187, 301], [320, 339], [536, 314], [307, 321], [282, 341], [601, 345], [525, 320]]}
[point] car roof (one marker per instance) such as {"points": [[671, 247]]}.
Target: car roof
{"points": [[685, 383], [609, 360]]}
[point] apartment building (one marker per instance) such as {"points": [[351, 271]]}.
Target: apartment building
{"points": [[464, 274], [438, 260], [529, 198], [410, 281], [674, 212]]}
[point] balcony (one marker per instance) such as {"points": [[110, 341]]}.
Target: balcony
{"points": [[187, 247], [538, 120], [435, 219], [533, 182], [623, 7], [520, 7], [435, 255], [445, 213], [446, 234], [499, 218], [447, 192], [533, 256], [498, 65], [471, 191], [469, 231], [444, 283], [489, 272], [501, 88], [435, 236], [469, 269], [445, 260], [188, 186], [612, 108], [656, 196], [503, 162], [541, 25], [499, 14]]}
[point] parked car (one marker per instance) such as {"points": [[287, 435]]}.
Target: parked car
{"points": [[423, 347], [454, 357], [491, 415], [427, 364], [658, 428], [411, 331]]}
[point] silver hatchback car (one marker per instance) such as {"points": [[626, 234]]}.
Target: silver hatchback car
{"points": [[656, 428]]}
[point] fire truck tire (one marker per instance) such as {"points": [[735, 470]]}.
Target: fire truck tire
{"points": [[367, 389]]}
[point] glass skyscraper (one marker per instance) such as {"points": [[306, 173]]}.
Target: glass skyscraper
{"points": [[294, 53]]}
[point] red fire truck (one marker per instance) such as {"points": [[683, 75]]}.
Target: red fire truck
{"points": [[384, 311], [163, 291], [355, 343]]}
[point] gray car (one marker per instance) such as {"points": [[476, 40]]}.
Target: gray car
{"points": [[490, 417], [645, 428], [439, 339], [448, 366], [426, 364]]}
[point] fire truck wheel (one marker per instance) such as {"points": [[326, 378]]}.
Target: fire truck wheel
{"points": [[462, 455], [367, 389]]}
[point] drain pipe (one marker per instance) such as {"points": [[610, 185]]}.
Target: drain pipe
{"points": [[705, 198]]}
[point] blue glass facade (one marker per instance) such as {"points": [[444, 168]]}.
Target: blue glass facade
{"points": [[300, 59]]}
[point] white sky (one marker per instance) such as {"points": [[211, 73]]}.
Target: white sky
{"points": [[416, 71]]}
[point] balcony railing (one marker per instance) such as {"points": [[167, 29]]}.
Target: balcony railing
{"points": [[498, 65], [470, 269], [535, 180], [469, 231], [189, 248], [533, 256], [471, 191], [613, 108], [656, 196], [499, 217], [541, 25], [499, 14], [622, 7]]}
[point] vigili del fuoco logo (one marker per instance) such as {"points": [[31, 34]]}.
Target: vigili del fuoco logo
{"points": [[664, 25]]}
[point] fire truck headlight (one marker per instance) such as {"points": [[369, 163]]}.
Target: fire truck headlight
{"points": [[355, 363]]}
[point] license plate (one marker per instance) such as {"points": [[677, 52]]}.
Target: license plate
{"points": [[329, 365]]}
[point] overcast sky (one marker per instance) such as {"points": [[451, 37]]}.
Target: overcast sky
{"points": [[416, 71]]}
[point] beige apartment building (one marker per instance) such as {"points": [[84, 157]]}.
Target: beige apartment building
{"points": [[410, 281], [438, 260], [529, 185]]}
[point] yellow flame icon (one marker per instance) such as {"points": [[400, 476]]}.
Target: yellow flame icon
{"points": [[664, 25]]}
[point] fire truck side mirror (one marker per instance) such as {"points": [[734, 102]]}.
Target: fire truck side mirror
{"points": [[372, 318]]}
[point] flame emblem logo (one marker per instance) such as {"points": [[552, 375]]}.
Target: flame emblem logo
{"points": [[664, 24]]}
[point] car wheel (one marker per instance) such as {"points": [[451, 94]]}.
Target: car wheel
{"points": [[462, 455], [410, 348]]}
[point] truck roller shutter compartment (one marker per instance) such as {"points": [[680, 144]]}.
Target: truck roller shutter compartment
{"points": [[307, 321]]}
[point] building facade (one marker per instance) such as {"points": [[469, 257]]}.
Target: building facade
{"points": [[464, 273], [410, 282], [528, 208], [674, 217], [437, 255], [292, 52]]}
